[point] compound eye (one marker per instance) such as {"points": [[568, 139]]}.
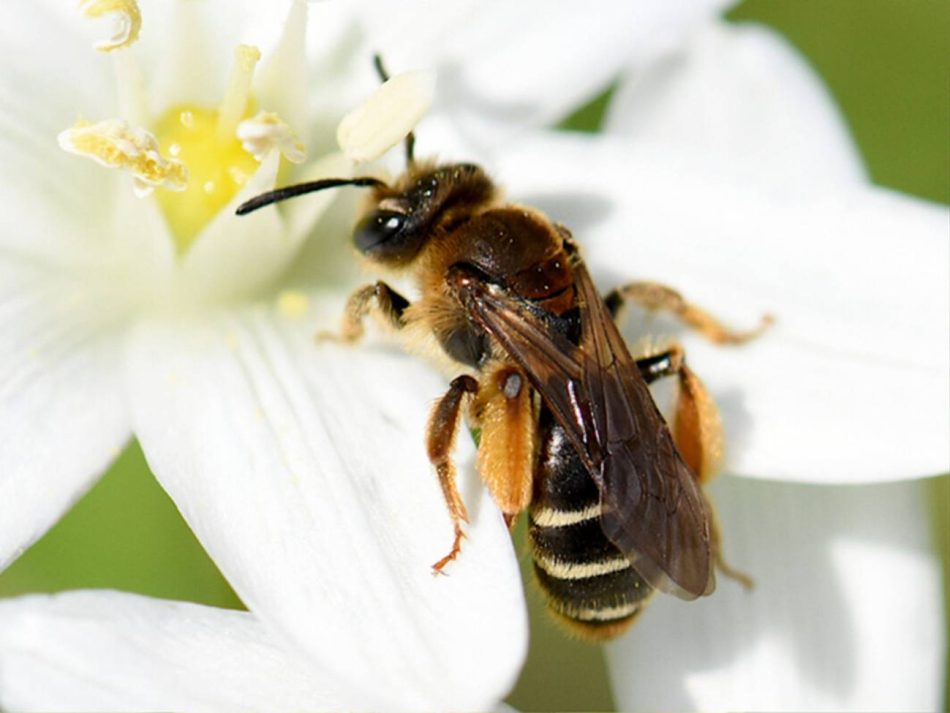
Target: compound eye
{"points": [[377, 228]]}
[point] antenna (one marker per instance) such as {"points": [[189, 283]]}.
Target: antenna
{"points": [[299, 189]]}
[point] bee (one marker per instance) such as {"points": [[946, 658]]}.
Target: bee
{"points": [[567, 428]]}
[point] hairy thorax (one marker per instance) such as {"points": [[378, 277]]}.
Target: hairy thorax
{"points": [[515, 247]]}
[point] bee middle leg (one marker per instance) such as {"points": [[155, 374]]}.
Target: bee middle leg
{"points": [[389, 304], [697, 428], [654, 297]]}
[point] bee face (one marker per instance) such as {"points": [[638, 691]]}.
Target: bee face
{"points": [[423, 204]]}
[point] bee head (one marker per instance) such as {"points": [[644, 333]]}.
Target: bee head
{"points": [[423, 204]]}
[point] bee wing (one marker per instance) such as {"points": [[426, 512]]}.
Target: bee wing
{"points": [[652, 506]]}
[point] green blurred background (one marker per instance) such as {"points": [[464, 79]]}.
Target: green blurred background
{"points": [[888, 66]]}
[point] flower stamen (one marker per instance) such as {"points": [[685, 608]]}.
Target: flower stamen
{"points": [[128, 21], [117, 144], [221, 147], [237, 95], [389, 114], [265, 132]]}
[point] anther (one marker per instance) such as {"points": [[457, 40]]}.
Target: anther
{"points": [[128, 21], [265, 132], [389, 114], [116, 144]]}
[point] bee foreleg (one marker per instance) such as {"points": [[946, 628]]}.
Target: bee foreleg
{"points": [[697, 428], [443, 428], [389, 304], [655, 297], [508, 442]]}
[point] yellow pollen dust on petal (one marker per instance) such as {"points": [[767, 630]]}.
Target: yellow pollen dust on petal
{"points": [[293, 304], [117, 144], [128, 21]]}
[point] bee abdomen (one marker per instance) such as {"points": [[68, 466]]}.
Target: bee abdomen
{"points": [[589, 583]]}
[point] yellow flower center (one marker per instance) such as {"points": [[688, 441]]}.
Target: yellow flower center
{"points": [[201, 156], [221, 148], [218, 166]]}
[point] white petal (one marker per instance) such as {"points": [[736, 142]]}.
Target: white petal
{"points": [[62, 412], [189, 47], [282, 84], [82, 79], [239, 255], [110, 651], [236, 255], [852, 382], [846, 613], [54, 204], [189, 60], [302, 470], [738, 97], [143, 261], [507, 66], [59, 207]]}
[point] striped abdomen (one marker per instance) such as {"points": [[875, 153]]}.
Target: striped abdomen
{"points": [[589, 583]]}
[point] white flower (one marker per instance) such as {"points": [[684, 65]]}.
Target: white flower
{"points": [[301, 468]]}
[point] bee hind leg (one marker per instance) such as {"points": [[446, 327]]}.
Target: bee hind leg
{"points": [[441, 433], [697, 428], [722, 566], [697, 431], [654, 297], [507, 419], [388, 304]]}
